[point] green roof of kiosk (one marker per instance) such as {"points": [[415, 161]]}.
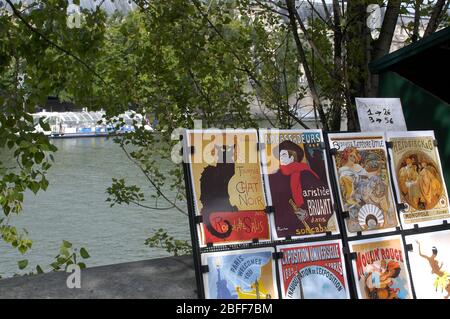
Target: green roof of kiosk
{"points": [[435, 39], [425, 63], [418, 75]]}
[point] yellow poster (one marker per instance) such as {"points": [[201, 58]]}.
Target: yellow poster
{"points": [[227, 185], [362, 174], [418, 178]]}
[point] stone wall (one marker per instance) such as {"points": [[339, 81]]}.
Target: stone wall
{"points": [[171, 277]]}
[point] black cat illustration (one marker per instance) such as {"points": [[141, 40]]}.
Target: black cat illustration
{"points": [[214, 189]]}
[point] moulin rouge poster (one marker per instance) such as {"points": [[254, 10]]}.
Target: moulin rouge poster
{"points": [[313, 271], [240, 274], [380, 269], [297, 182], [227, 185], [362, 174], [418, 178], [429, 260]]}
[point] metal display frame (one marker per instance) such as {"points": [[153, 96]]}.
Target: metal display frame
{"points": [[197, 250]]}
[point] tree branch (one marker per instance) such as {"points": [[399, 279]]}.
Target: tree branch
{"points": [[444, 11], [383, 44], [267, 7], [199, 89], [151, 181], [327, 19], [244, 68], [302, 58], [151, 207], [415, 35], [331, 72], [325, 9], [433, 23], [53, 44]]}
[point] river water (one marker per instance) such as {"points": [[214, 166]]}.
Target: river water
{"points": [[74, 208]]}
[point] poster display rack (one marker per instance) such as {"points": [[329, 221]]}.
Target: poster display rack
{"points": [[242, 267]]}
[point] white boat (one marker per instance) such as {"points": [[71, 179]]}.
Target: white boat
{"points": [[84, 124]]}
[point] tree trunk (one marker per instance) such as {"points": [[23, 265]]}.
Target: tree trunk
{"points": [[415, 35], [383, 44], [434, 19], [336, 104], [357, 59], [302, 58]]}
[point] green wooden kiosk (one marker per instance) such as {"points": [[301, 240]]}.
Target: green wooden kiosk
{"points": [[419, 74]]}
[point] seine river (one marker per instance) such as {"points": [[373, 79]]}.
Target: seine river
{"points": [[74, 208]]}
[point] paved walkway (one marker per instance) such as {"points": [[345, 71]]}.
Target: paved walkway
{"points": [[171, 277]]}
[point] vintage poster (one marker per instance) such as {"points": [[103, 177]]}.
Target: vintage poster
{"points": [[227, 185], [297, 182], [429, 261], [362, 172], [240, 274], [418, 178], [313, 271], [380, 269], [380, 114]]}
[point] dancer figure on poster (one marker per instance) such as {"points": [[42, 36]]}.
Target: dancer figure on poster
{"points": [[379, 280], [442, 277]]}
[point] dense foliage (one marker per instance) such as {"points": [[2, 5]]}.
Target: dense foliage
{"points": [[176, 62]]}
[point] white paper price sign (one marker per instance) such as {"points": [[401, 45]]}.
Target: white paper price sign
{"points": [[380, 114]]}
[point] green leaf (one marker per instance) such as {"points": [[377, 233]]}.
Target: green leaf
{"points": [[45, 126], [67, 244], [55, 266], [39, 269], [23, 264], [84, 253], [38, 157], [34, 186], [24, 144], [23, 249], [64, 251], [44, 184]]}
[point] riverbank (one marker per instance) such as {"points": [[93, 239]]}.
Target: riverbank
{"points": [[162, 278]]}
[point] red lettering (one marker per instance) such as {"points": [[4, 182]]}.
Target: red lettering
{"points": [[359, 266]]}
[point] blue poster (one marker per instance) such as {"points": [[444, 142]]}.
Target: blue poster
{"points": [[240, 274]]}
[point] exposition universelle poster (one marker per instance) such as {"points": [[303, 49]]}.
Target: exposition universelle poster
{"points": [[313, 271]]}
